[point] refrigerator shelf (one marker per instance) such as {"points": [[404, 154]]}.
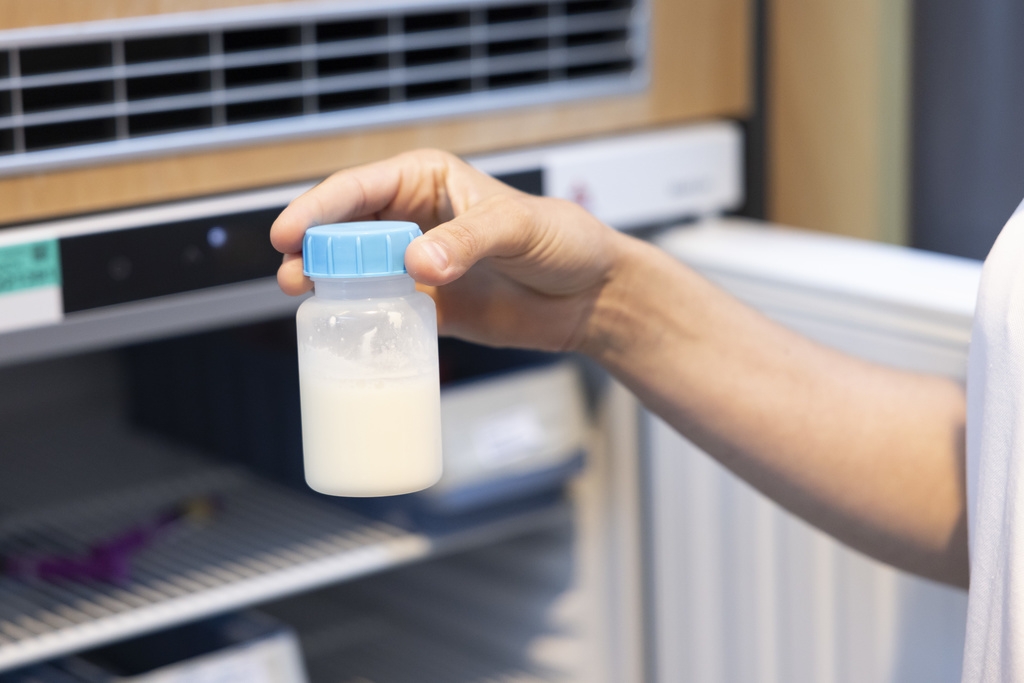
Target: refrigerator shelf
{"points": [[260, 543], [424, 658], [512, 612]]}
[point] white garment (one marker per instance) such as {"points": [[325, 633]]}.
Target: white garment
{"points": [[994, 651]]}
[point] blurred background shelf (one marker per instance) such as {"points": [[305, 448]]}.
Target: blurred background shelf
{"points": [[508, 612], [260, 543]]}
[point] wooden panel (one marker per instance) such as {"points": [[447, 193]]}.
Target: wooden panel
{"points": [[700, 70], [25, 13], [838, 116]]}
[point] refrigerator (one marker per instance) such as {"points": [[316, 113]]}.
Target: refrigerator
{"points": [[601, 547]]}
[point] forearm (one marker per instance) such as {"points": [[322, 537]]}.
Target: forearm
{"points": [[872, 455]]}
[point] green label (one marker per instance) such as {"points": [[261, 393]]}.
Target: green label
{"points": [[27, 266]]}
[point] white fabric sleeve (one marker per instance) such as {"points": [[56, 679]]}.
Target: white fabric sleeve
{"points": [[994, 648]]}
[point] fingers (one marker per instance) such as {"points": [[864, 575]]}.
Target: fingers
{"points": [[501, 225], [290, 277], [410, 186], [341, 197], [427, 187]]}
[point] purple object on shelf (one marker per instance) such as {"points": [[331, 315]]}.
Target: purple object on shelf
{"points": [[110, 559]]}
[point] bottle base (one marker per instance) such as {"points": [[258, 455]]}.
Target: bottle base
{"points": [[342, 491]]}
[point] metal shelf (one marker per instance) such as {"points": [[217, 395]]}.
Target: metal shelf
{"points": [[264, 543], [511, 612]]}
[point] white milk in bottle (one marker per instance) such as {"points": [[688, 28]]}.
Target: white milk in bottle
{"points": [[368, 372]]}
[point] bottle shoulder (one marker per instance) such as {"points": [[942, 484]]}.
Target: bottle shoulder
{"points": [[413, 312], [415, 299]]}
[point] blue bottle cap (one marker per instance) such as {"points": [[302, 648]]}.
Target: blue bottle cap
{"points": [[363, 249]]}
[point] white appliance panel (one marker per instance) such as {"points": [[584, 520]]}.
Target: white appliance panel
{"points": [[744, 591]]}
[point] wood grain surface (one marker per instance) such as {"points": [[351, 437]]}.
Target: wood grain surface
{"points": [[838, 116]]}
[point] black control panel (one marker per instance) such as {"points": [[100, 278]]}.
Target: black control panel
{"points": [[531, 182], [116, 267]]}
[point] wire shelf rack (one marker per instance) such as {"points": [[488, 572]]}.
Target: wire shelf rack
{"points": [[263, 542]]}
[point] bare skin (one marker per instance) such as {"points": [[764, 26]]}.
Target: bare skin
{"points": [[871, 455]]}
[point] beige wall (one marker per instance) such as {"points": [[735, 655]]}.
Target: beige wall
{"points": [[838, 116]]}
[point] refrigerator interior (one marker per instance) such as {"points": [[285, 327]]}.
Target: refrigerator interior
{"points": [[526, 595]]}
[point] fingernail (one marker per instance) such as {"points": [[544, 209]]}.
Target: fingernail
{"points": [[437, 254]]}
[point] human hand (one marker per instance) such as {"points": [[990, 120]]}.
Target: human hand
{"points": [[505, 268]]}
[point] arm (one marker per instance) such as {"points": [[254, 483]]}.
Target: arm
{"points": [[871, 455]]}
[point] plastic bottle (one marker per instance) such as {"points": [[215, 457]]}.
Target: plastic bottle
{"points": [[368, 372]]}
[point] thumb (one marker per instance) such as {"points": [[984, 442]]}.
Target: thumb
{"points": [[501, 225]]}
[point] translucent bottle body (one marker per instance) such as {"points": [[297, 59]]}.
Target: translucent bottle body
{"points": [[368, 378]]}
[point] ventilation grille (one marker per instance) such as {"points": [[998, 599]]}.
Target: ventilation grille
{"points": [[116, 88]]}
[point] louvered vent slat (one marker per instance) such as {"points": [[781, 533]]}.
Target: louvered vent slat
{"points": [[141, 85]]}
